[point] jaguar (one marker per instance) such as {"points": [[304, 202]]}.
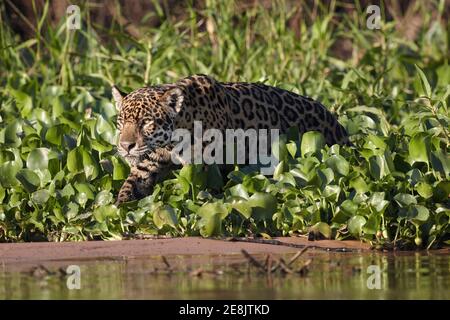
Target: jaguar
{"points": [[148, 116]]}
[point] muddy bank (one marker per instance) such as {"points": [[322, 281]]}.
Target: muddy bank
{"points": [[13, 253]]}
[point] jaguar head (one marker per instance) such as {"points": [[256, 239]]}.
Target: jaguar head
{"points": [[146, 119]]}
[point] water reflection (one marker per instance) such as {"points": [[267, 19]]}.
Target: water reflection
{"points": [[331, 276]]}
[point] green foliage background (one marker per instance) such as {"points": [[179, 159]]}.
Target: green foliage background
{"points": [[59, 173]]}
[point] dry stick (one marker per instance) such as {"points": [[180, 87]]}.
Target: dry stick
{"points": [[269, 264], [167, 263], [304, 268], [253, 260], [284, 267], [275, 268], [296, 256], [269, 271], [266, 262], [287, 244], [281, 264]]}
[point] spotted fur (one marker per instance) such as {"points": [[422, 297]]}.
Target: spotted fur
{"points": [[148, 116]]}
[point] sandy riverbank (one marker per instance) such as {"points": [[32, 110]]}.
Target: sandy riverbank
{"points": [[29, 253]]}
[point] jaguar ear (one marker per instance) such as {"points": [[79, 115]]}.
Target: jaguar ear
{"points": [[173, 98], [118, 96]]}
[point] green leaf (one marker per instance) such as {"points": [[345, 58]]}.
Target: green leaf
{"points": [[2, 194], [377, 202], [349, 207], [338, 164], [81, 198], [165, 215], [331, 192], [322, 228], [90, 165], [102, 214], [419, 214], [71, 210], [346, 210], [211, 215], [75, 160], [187, 172], [67, 191], [121, 170], [292, 148], [355, 225], [242, 206], [287, 179], [8, 171], [24, 102], [263, 205], [103, 198], [210, 225], [375, 144], [38, 159], [441, 191], [360, 123], [279, 169], [40, 197], [312, 141], [28, 179], [359, 185], [440, 161], [209, 209], [10, 134], [404, 199], [326, 176], [424, 189], [80, 160], [101, 146], [86, 188], [378, 167], [419, 148], [256, 183], [372, 225], [238, 190], [425, 84], [55, 134], [105, 130]]}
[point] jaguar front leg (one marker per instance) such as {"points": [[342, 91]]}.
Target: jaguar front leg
{"points": [[144, 175]]}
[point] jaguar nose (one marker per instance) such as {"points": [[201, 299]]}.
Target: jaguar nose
{"points": [[127, 145]]}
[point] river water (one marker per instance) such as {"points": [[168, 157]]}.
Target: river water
{"points": [[331, 275]]}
